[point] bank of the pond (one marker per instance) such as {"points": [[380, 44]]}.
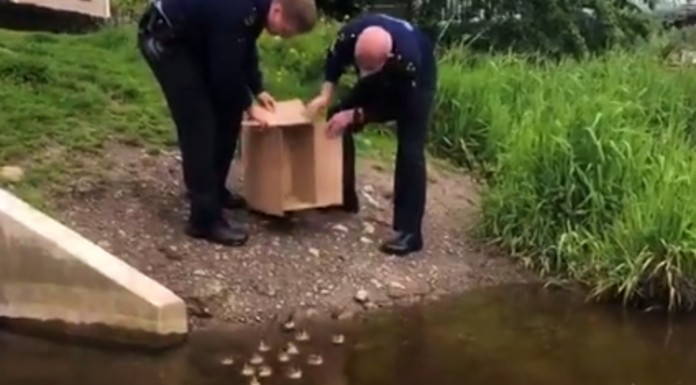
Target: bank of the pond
{"points": [[590, 162]]}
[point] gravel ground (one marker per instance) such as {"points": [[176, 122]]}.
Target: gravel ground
{"points": [[312, 262]]}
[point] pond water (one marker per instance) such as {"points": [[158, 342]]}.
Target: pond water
{"points": [[506, 336]]}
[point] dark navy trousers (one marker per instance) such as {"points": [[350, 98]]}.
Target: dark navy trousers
{"points": [[383, 102], [206, 141]]}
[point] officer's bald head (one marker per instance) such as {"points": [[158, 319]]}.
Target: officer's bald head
{"points": [[372, 49]]}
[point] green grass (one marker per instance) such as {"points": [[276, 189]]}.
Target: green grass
{"points": [[589, 165]]}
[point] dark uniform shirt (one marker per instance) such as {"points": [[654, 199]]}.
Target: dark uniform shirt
{"points": [[223, 35], [412, 62]]}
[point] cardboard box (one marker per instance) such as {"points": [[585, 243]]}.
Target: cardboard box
{"points": [[291, 165]]}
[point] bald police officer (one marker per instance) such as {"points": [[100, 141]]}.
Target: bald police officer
{"points": [[398, 77], [203, 54]]}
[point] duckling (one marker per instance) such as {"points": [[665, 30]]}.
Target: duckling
{"points": [[294, 373], [256, 359], [289, 323], [302, 336], [283, 357], [254, 381], [314, 360], [247, 370], [265, 371], [291, 349], [263, 347], [338, 339], [227, 361]]}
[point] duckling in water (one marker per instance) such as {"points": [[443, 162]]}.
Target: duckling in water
{"points": [[265, 371], [289, 324], [291, 349], [254, 381], [338, 339], [263, 347], [247, 370], [283, 357], [314, 360], [256, 359], [294, 373], [302, 336]]}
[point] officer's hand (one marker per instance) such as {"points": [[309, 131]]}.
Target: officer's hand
{"points": [[317, 104], [339, 122], [266, 100], [260, 115]]}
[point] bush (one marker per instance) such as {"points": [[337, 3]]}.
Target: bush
{"points": [[590, 163]]}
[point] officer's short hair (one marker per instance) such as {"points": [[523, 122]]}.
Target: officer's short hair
{"points": [[300, 13]]}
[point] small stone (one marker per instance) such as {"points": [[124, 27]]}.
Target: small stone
{"points": [[369, 189], [368, 228], [372, 201], [341, 314], [365, 240], [171, 252], [340, 228], [12, 174], [361, 296], [396, 290], [314, 252]]}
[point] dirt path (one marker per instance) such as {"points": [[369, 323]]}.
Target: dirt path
{"points": [[314, 262]]}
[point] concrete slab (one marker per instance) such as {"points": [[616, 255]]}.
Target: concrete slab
{"points": [[94, 8], [50, 273]]}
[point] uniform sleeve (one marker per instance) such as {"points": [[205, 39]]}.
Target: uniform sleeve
{"points": [[253, 72], [226, 48], [340, 54]]}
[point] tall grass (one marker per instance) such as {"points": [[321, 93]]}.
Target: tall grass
{"points": [[591, 167]]}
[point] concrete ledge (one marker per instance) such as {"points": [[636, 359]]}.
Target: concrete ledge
{"points": [[50, 273]]}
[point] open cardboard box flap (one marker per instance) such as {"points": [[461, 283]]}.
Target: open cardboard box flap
{"points": [[291, 169], [288, 113]]}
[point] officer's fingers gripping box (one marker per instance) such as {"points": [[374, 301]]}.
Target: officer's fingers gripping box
{"points": [[292, 165]]}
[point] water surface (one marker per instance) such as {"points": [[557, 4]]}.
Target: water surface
{"points": [[506, 336]]}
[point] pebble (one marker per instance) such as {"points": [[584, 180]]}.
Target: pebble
{"points": [[362, 296], [368, 228], [365, 240], [12, 174], [340, 228], [314, 252]]}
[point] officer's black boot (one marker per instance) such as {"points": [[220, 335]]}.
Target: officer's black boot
{"points": [[232, 201], [205, 222], [221, 232], [229, 200], [404, 243]]}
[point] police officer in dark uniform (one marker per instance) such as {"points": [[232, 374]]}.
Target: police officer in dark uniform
{"points": [[203, 54], [398, 78]]}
